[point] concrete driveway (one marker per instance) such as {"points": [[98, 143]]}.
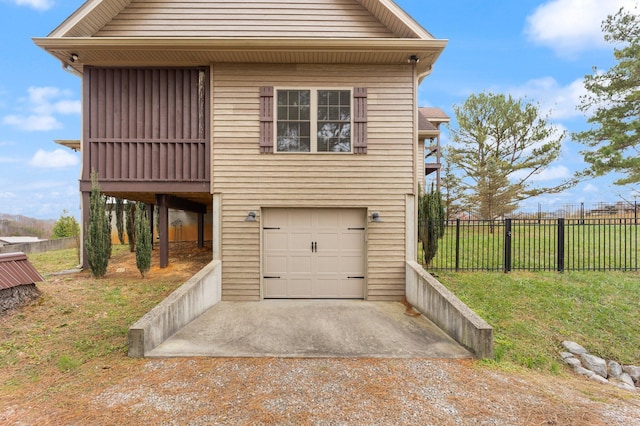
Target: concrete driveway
{"points": [[310, 329]]}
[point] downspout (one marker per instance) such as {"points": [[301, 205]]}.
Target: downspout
{"points": [[68, 68], [425, 74]]}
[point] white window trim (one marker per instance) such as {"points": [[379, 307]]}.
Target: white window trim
{"points": [[313, 114]]}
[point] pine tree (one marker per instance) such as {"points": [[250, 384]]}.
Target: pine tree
{"points": [[130, 210], [143, 243], [431, 222], [500, 145], [120, 219], [98, 237], [613, 101]]}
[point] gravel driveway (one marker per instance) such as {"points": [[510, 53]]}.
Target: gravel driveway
{"points": [[358, 391], [247, 391]]}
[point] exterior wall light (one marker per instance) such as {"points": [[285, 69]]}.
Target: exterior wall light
{"points": [[74, 57], [251, 217], [375, 217], [413, 59]]}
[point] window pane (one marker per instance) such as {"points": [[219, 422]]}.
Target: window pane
{"points": [[334, 121], [293, 127]]}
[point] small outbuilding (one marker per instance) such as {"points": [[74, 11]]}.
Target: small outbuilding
{"points": [[18, 280]]}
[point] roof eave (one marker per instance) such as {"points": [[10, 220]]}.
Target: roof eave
{"points": [[427, 51]]}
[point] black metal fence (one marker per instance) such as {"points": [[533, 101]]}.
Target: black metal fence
{"points": [[538, 245]]}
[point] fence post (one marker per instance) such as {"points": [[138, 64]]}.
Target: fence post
{"points": [[560, 250], [507, 246], [457, 245]]}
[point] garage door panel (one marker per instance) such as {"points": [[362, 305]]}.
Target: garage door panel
{"points": [[276, 265], [299, 287], [351, 265], [300, 264], [300, 241], [326, 219], [276, 218], [352, 241], [327, 241], [275, 288], [351, 288], [275, 242]]}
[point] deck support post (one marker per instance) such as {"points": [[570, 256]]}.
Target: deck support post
{"points": [[163, 228], [200, 230]]}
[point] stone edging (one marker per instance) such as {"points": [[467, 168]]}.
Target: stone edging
{"points": [[625, 377]]}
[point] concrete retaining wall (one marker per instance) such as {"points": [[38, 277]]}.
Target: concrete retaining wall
{"points": [[182, 306], [448, 312], [41, 246]]}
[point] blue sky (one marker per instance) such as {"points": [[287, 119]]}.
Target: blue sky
{"points": [[540, 50]]}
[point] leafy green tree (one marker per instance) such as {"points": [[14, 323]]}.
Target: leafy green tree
{"points": [[130, 210], [500, 144], [431, 222], [614, 102], [66, 226], [98, 234], [120, 219], [143, 243]]}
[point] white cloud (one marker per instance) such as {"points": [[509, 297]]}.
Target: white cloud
{"points": [[559, 101], [590, 188], [571, 26], [43, 104], [55, 159], [7, 195], [32, 123], [548, 174], [36, 4]]}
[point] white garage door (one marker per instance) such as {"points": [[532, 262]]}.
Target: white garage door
{"points": [[314, 253]]}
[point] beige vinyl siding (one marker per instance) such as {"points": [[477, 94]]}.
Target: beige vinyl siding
{"points": [[239, 18], [248, 180]]}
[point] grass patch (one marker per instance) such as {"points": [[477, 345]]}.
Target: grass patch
{"points": [[80, 322], [532, 313]]}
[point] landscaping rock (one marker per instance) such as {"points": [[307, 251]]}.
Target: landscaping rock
{"points": [[573, 347], [595, 368], [595, 364], [633, 371], [598, 378], [574, 362], [583, 371], [626, 386], [626, 378], [615, 369]]}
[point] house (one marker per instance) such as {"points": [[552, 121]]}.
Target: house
{"points": [[293, 126], [429, 121]]}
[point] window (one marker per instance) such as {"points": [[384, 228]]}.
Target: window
{"points": [[313, 121]]}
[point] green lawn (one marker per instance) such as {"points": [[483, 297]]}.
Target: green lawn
{"points": [[592, 245], [533, 312]]}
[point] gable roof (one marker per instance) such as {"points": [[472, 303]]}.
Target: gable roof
{"points": [[429, 120], [144, 32], [15, 270]]}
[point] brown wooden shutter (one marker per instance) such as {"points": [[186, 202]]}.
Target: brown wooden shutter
{"points": [[266, 120], [360, 120]]}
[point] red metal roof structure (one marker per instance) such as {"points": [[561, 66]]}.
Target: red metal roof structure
{"points": [[15, 270]]}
